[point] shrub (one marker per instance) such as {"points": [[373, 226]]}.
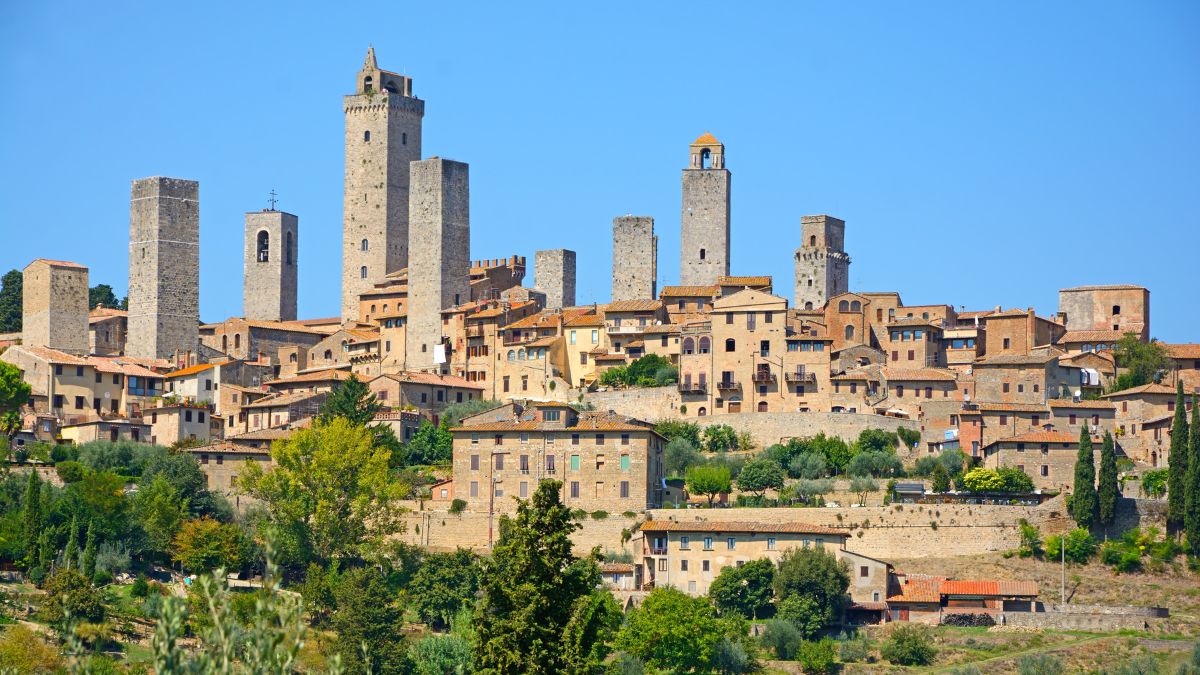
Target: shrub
{"points": [[102, 578], [1031, 541], [1080, 546], [968, 620], [817, 657], [731, 657], [909, 645], [629, 514], [578, 514], [69, 471], [599, 515], [854, 650], [1039, 664], [909, 437], [62, 453], [140, 588], [782, 638], [458, 506]]}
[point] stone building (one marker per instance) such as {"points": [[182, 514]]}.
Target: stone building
{"points": [[822, 265], [554, 275], [54, 310], [440, 242], [164, 268], [1047, 457], [704, 244], [173, 423], [383, 137], [270, 260], [1123, 308], [427, 393], [635, 258], [107, 331]]}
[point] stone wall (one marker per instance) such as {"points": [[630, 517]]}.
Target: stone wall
{"points": [[554, 275], [1085, 617], [635, 258], [54, 306], [164, 267], [705, 226], [269, 282]]}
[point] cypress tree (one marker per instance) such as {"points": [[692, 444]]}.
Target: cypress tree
{"points": [[1192, 485], [1177, 463], [1107, 493], [45, 552], [1083, 499], [32, 517], [87, 559], [72, 550]]}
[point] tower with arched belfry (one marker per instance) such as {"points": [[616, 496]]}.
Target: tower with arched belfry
{"points": [[704, 244], [271, 265]]}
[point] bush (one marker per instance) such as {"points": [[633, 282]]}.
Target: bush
{"points": [[730, 657], [968, 620], [140, 588], [458, 506], [102, 578], [69, 471], [817, 657], [782, 639], [63, 453], [1031, 541], [854, 650], [599, 515], [1080, 546], [909, 437], [578, 514], [1039, 664], [909, 645]]}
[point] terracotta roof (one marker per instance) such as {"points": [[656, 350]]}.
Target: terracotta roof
{"points": [[1012, 407], [914, 321], [850, 376], [323, 375], [689, 291], [616, 568], [362, 335], [1091, 336], [1144, 389], [662, 328], [52, 355], [1022, 587], [1112, 287], [101, 313], [706, 139], [283, 399], [191, 370], [743, 281], [966, 587], [226, 446], [869, 606], [918, 589], [263, 435], [103, 421], [547, 341], [434, 379], [1068, 403], [1183, 351], [740, 526], [586, 321], [543, 319], [490, 312], [633, 306], [973, 314], [1007, 313], [635, 344], [609, 357], [1041, 437], [282, 325], [585, 422], [919, 374], [1019, 359], [1104, 354], [59, 263]]}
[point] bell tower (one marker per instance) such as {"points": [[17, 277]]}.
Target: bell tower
{"points": [[704, 244]]}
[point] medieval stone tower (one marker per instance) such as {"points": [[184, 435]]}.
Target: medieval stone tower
{"points": [[164, 268], [822, 266], [635, 259], [439, 239], [270, 261], [383, 136], [54, 306], [554, 275], [704, 247]]}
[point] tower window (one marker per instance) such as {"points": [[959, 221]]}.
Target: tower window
{"points": [[264, 245], [403, 138], [812, 240], [849, 332], [702, 254], [288, 248], [366, 136], [362, 272], [365, 245], [368, 84], [1116, 310], [705, 159]]}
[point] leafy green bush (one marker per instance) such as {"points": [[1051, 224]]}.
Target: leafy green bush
{"points": [[458, 506], [854, 650], [782, 639], [140, 588], [69, 471], [909, 437], [909, 645], [817, 656], [1031, 540], [1039, 664], [1080, 546], [599, 515]]}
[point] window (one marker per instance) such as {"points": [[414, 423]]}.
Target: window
{"points": [[367, 135], [849, 332], [624, 439], [574, 439], [662, 564], [474, 462], [844, 306], [1045, 470], [730, 345], [599, 439], [1116, 309], [702, 254], [575, 489], [596, 336], [264, 245], [362, 272], [708, 543], [624, 489], [684, 543], [683, 565], [730, 543], [1006, 343], [574, 462], [550, 464], [624, 462], [1071, 418], [1003, 420], [365, 245], [474, 488], [524, 489], [1004, 387], [704, 565]]}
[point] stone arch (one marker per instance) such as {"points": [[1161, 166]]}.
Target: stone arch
{"points": [[762, 406], [689, 345], [237, 340], [362, 272], [730, 345], [705, 344], [1116, 309], [368, 84], [328, 354], [225, 343], [263, 247], [702, 411], [706, 159], [812, 240], [808, 305]]}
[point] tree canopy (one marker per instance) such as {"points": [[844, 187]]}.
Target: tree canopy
{"points": [[1142, 362], [673, 631], [810, 588], [1083, 497], [760, 475], [11, 301], [744, 590], [709, 480]]}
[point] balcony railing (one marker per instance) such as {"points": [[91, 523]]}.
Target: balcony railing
{"points": [[625, 329], [474, 331], [763, 377], [693, 388], [800, 376], [725, 385], [658, 550]]}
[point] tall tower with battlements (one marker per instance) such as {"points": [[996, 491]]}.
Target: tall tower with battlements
{"points": [[822, 265], [704, 245], [383, 136], [270, 265]]}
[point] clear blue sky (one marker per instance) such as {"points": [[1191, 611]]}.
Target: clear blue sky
{"points": [[981, 153]]}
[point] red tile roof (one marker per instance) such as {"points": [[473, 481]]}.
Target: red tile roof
{"points": [[1090, 336], [1041, 437], [434, 379], [919, 374], [915, 588], [1094, 405], [964, 587], [1013, 407], [740, 526], [191, 370], [616, 568], [689, 291], [1023, 587], [1183, 351], [633, 306], [743, 281], [324, 375], [59, 263], [1144, 389]]}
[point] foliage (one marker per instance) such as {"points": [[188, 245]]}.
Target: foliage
{"points": [[161, 511], [877, 440], [33, 518], [430, 444], [69, 472], [720, 438], [1191, 507], [680, 455], [1039, 664], [24, 652], [862, 486], [368, 622], [87, 559], [102, 294], [810, 465], [182, 471], [14, 391], [441, 655], [909, 645], [940, 478], [99, 499], [1083, 498], [1177, 469], [977, 620], [650, 370], [781, 638], [730, 657], [11, 300], [1015, 480], [909, 437], [1107, 491], [68, 592], [745, 589], [809, 490], [853, 650], [1126, 554], [817, 656], [708, 480], [673, 429], [1031, 540], [983, 480], [674, 631], [330, 492], [204, 544], [760, 475], [534, 589], [875, 463], [1154, 483], [453, 414], [444, 585], [1143, 362], [353, 401], [125, 458], [810, 586], [457, 506]]}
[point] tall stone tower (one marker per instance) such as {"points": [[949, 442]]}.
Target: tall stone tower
{"points": [[164, 268], [439, 240], [822, 266], [554, 275], [270, 262], [704, 247], [635, 259], [383, 136], [54, 306]]}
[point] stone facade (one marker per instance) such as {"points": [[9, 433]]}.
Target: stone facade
{"points": [[440, 241], [271, 262], [554, 275], [704, 244], [54, 310], [1122, 308], [822, 265], [383, 136], [635, 258], [164, 268]]}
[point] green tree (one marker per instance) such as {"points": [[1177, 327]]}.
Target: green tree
{"points": [[877, 440], [14, 393], [353, 401], [330, 492], [863, 486], [32, 517], [909, 645], [1191, 511], [1080, 546], [782, 638], [940, 477], [71, 552], [444, 585], [875, 463], [808, 490], [673, 631], [1014, 480], [810, 586], [11, 301], [102, 294], [680, 455], [810, 465], [161, 511], [87, 559], [720, 438], [203, 545], [1177, 463], [69, 593], [1154, 483], [441, 655], [817, 656], [182, 471], [672, 429], [430, 444], [533, 586], [100, 499], [1142, 361], [1107, 492], [1083, 497], [368, 620], [708, 480], [759, 476], [1031, 540], [454, 413], [744, 590]]}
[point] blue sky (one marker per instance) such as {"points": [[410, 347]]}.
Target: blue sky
{"points": [[981, 153]]}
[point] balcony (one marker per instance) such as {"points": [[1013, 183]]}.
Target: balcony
{"points": [[625, 329], [727, 385], [474, 331], [693, 388], [801, 376], [657, 550], [763, 377]]}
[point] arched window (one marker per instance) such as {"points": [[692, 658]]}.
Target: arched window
{"points": [[812, 240], [730, 345], [366, 136], [844, 306], [689, 345], [264, 245], [328, 354], [705, 158], [368, 84], [762, 406], [808, 305], [855, 306], [1116, 310], [702, 254], [292, 357], [703, 411], [237, 340], [849, 332], [345, 346], [512, 356], [385, 308], [705, 345], [521, 354], [365, 245], [288, 248], [372, 309], [362, 272], [225, 343]]}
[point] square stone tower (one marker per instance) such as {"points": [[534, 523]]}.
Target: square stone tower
{"points": [[439, 241], [54, 309], [383, 136], [635, 258], [270, 263], [822, 266], [554, 275], [164, 268], [704, 245]]}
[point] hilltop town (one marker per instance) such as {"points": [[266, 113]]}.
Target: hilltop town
{"points": [[490, 385]]}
